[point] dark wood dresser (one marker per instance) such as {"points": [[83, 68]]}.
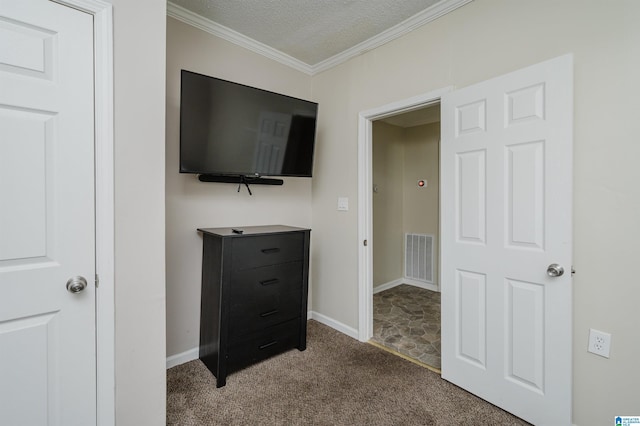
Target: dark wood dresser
{"points": [[254, 295]]}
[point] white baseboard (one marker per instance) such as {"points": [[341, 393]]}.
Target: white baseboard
{"points": [[336, 325], [408, 281], [387, 286], [421, 284], [183, 357]]}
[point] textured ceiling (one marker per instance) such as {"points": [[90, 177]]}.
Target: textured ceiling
{"points": [[308, 30]]}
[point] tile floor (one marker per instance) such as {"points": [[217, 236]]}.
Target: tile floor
{"points": [[407, 320]]}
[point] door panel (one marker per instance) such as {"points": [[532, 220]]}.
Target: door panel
{"points": [[23, 220], [506, 166], [47, 231], [471, 203], [525, 333], [30, 345], [26, 49], [471, 291], [525, 195]]}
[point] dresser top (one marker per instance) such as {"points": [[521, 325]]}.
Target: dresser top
{"points": [[250, 230]]}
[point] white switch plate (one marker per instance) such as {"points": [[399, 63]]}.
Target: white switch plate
{"points": [[343, 204]]}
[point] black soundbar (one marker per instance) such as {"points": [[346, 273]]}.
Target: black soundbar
{"points": [[249, 180]]}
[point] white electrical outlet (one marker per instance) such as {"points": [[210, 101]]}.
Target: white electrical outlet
{"points": [[343, 204], [599, 342]]}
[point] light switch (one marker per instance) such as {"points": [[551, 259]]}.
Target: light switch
{"points": [[343, 204]]}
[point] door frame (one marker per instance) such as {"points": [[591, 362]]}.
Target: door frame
{"points": [[102, 13], [365, 198]]}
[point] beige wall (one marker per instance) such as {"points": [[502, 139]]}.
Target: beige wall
{"points": [[401, 157], [191, 204], [388, 164], [420, 207], [139, 86], [483, 39]]}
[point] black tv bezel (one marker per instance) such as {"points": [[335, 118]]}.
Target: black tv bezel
{"points": [[252, 175]]}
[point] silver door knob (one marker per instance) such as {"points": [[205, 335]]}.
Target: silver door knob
{"points": [[76, 284], [555, 270]]}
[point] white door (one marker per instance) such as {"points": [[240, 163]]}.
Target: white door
{"points": [[47, 235], [506, 165]]}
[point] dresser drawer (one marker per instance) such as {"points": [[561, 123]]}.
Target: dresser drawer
{"points": [[256, 283], [261, 345], [250, 315], [263, 250]]}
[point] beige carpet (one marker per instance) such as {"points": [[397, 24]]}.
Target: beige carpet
{"points": [[336, 381]]}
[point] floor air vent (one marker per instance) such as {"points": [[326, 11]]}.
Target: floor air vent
{"points": [[418, 257]]}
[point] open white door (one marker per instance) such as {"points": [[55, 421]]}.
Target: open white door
{"points": [[506, 209], [47, 215]]}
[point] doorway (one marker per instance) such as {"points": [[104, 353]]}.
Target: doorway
{"points": [[365, 197], [405, 202]]}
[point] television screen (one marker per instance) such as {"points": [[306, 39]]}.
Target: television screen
{"points": [[227, 128]]}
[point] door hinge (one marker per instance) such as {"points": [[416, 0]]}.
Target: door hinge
{"points": [[97, 281], [365, 243]]}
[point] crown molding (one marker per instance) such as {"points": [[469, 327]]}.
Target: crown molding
{"points": [[207, 25], [419, 19], [404, 27]]}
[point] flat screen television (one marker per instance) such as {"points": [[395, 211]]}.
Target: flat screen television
{"points": [[232, 130]]}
